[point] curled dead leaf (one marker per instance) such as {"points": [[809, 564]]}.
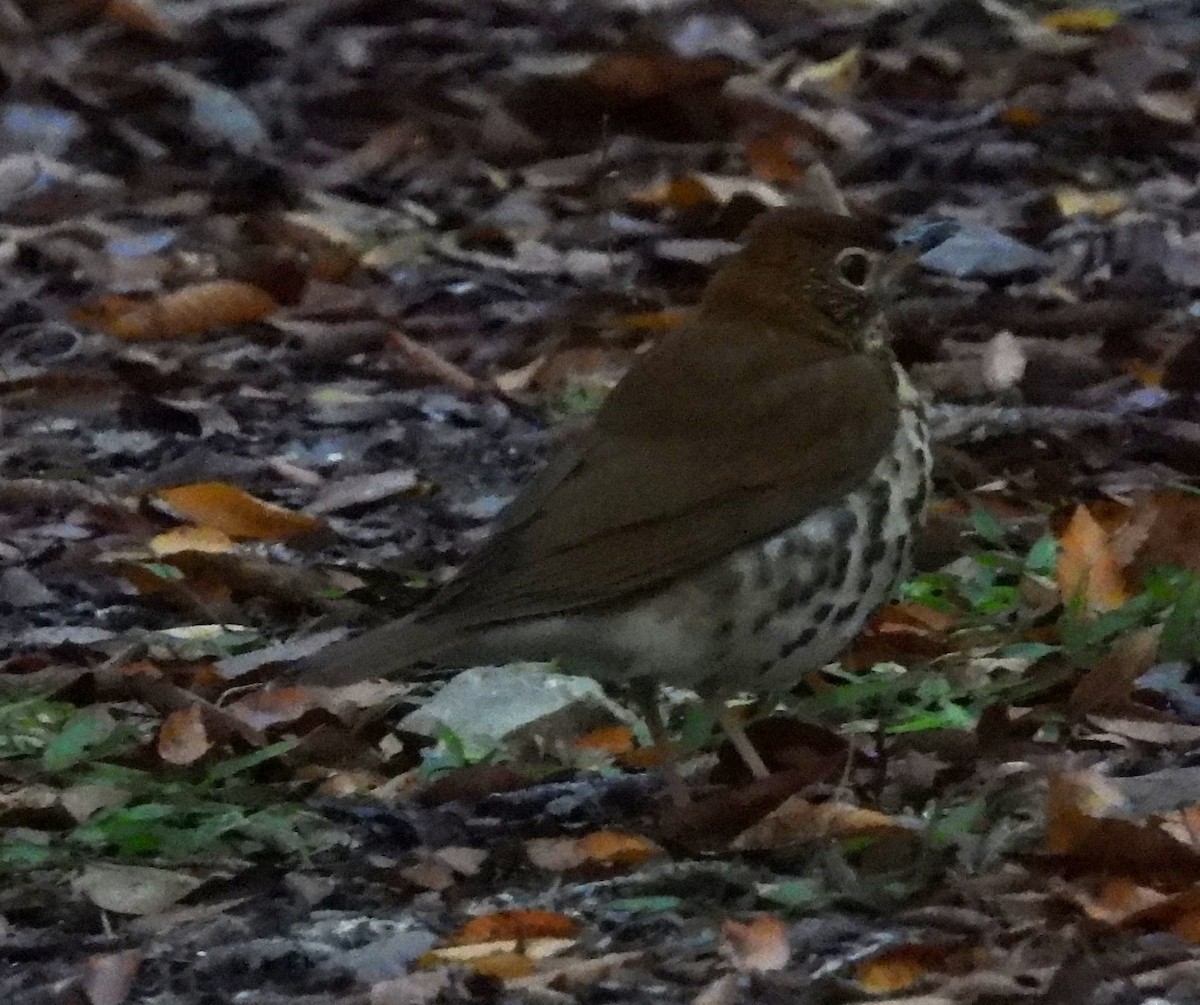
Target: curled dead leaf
{"points": [[798, 820]]}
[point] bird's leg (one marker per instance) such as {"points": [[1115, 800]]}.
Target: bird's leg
{"points": [[737, 736], [645, 693]]}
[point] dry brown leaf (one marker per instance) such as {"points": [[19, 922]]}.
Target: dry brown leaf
{"points": [[1075, 801], [518, 925], [1170, 525], [617, 848], [235, 512], [191, 538], [610, 739], [798, 820], [108, 978], [606, 848], [503, 966], [429, 875], [1122, 903], [262, 709], [634, 76], [758, 945], [1087, 568], [772, 157], [900, 967], [182, 738], [527, 949], [464, 861], [1118, 900], [190, 311], [1088, 820], [697, 190], [1108, 687]]}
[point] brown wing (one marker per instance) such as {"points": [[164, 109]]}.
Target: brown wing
{"points": [[667, 481]]}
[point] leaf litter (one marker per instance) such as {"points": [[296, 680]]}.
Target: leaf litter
{"points": [[297, 295]]}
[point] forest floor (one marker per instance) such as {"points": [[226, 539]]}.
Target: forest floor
{"points": [[298, 293]]}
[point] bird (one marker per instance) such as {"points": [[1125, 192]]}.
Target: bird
{"points": [[746, 496]]}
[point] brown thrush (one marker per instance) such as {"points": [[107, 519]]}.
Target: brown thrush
{"points": [[744, 499]]}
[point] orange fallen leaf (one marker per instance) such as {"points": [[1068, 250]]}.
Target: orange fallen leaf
{"points": [[505, 959], [772, 158], [606, 848], [189, 311], [228, 509], [900, 967], [798, 820], [758, 945], [519, 925], [1118, 900], [610, 739], [1087, 567], [263, 709], [617, 848], [182, 737]]}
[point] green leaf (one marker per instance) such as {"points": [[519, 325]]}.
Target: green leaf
{"points": [[161, 570], [1042, 559], [698, 725], [1181, 630], [19, 853], [794, 894], [949, 716], [951, 825], [986, 526], [85, 730], [237, 765]]}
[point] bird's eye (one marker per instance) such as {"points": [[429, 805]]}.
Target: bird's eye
{"points": [[853, 267]]}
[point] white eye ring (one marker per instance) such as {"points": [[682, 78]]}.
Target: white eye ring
{"points": [[854, 267]]}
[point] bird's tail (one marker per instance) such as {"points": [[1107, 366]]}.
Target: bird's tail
{"points": [[392, 650]]}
